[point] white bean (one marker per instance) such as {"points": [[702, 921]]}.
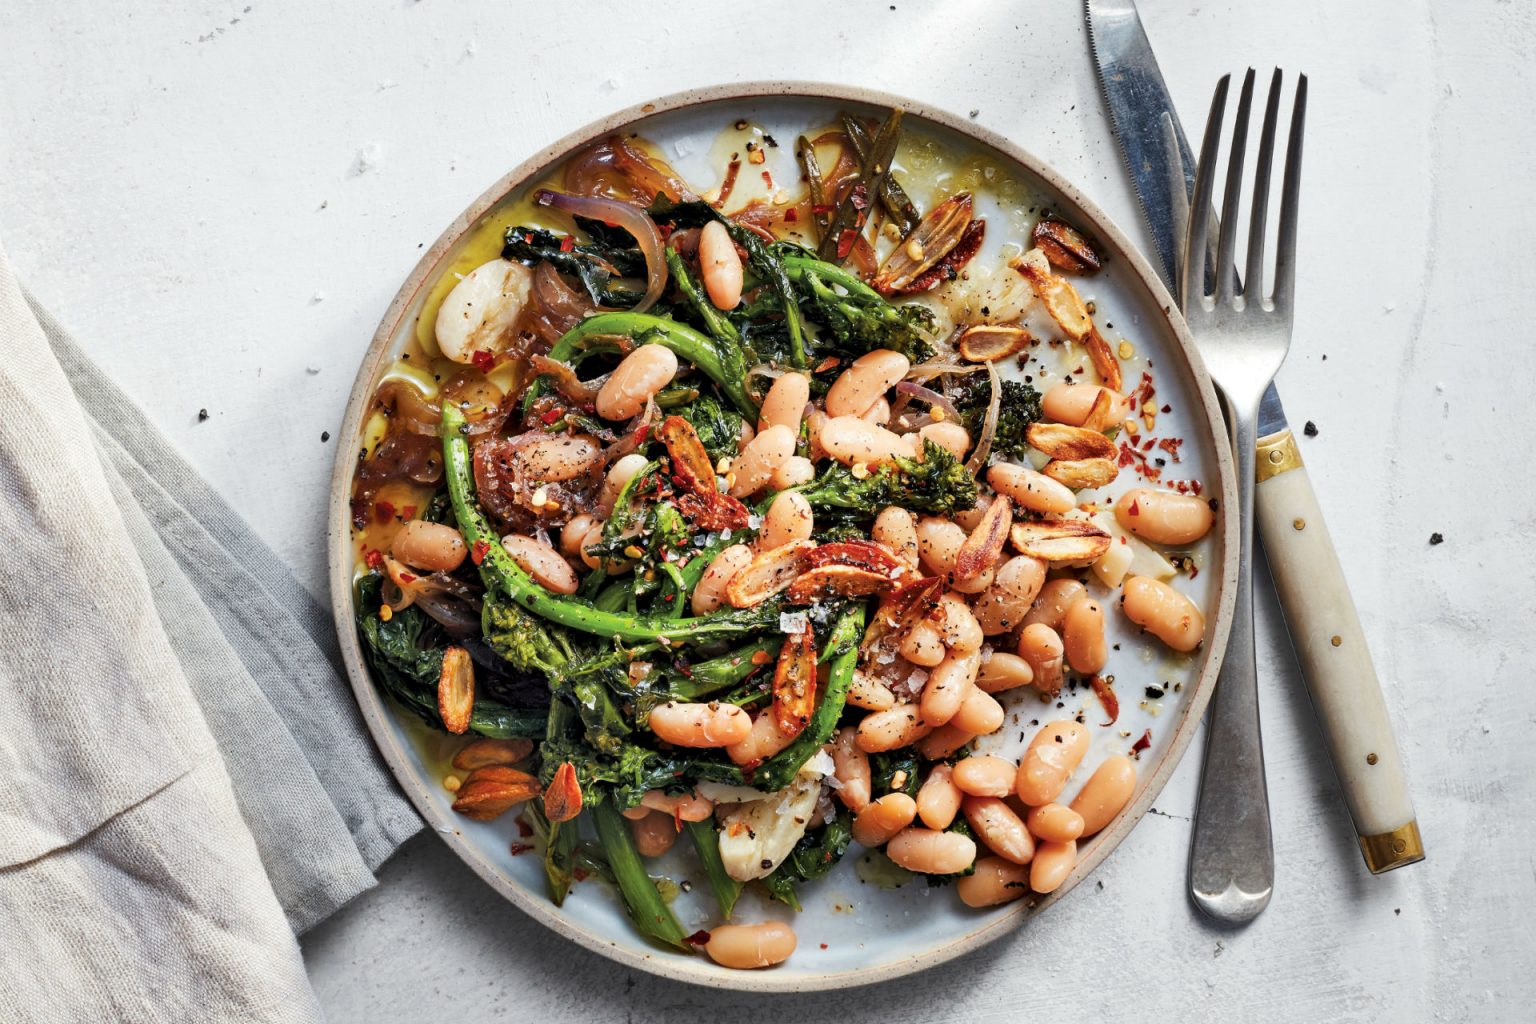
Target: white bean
{"points": [[784, 404], [643, 372], [867, 379], [760, 459], [547, 566], [720, 266], [788, 519]]}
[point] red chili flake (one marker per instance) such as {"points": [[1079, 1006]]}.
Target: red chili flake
{"points": [[643, 433], [731, 170], [1106, 695], [483, 361], [567, 243], [477, 553], [1194, 570], [1171, 445], [409, 512], [520, 848], [768, 179], [845, 242], [666, 231], [791, 215], [823, 945], [1167, 408], [528, 238], [821, 208], [524, 829], [552, 415], [374, 559], [1143, 743], [1148, 444], [580, 874], [698, 938], [406, 577], [383, 511], [1135, 508]]}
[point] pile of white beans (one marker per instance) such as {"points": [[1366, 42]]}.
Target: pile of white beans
{"points": [[1006, 622]]}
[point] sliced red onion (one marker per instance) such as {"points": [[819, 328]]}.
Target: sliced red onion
{"points": [[565, 380], [631, 219], [978, 458], [933, 398]]}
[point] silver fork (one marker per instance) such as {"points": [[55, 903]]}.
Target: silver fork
{"points": [[1242, 338]]}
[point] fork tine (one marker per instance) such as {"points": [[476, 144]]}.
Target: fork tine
{"points": [[1253, 277], [1285, 254], [1192, 285], [1232, 196]]}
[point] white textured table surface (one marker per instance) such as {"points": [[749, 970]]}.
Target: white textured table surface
{"points": [[220, 199]]}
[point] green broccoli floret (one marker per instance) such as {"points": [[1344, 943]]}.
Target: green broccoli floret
{"points": [[1019, 408], [858, 319], [523, 640], [939, 485], [717, 424]]}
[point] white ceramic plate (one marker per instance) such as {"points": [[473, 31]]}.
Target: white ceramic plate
{"points": [[851, 932]]}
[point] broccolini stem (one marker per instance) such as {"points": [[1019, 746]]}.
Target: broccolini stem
{"points": [[797, 267], [716, 674], [502, 574], [646, 908], [767, 264], [718, 325], [706, 842]]}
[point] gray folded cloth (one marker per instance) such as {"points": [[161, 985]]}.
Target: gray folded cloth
{"points": [[188, 779]]}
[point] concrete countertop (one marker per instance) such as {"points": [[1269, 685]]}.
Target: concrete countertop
{"points": [[219, 199]]}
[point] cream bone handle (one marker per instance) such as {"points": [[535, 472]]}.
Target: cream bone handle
{"points": [[1330, 644]]}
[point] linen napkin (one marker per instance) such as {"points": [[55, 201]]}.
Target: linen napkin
{"points": [[187, 781]]}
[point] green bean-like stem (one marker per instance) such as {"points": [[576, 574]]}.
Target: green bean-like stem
{"points": [[502, 574], [706, 842], [646, 908], [799, 266], [716, 674]]}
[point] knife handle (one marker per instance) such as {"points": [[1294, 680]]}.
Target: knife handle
{"points": [[1325, 630]]}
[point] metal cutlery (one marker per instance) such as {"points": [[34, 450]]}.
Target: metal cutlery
{"points": [[1309, 580]]}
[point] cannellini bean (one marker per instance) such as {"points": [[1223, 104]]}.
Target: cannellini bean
{"points": [[709, 592], [1040, 645], [796, 470], [619, 475], [788, 519], [765, 740], [1082, 636], [1003, 605], [720, 266], [748, 946], [1002, 830], [784, 404], [994, 881], [746, 435], [1034, 491], [1052, 864], [950, 436], [760, 459], [643, 372], [867, 379], [896, 529], [931, 853], [654, 834], [683, 806], [558, 457], [1003, 671], [869, 693], [1054, 823], [1164, 612], [1164, 517], [1106, 793], [1052, 756], [943, 742], [700, 725], [976, 584], [938, 542], [1050, 607], [814, 421], [959, 628], [879, 414], [883, 818], [938, 801], [985, 775], [635, 813], [547, 566], [852, 770], [887, 730], [923, 645], [477, 314], [431, 546], [1071, 403], [980, 714], [947, 686], [972, 517], [851, 441], [573, 533], [595, 536]]}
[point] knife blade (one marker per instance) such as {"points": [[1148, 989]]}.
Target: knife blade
{"points": [[1320, 615]]}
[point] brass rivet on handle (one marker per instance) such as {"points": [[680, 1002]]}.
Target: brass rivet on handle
{"points": [[1299, 523], [1371, 759], [1277, 456], [1336, 641]]}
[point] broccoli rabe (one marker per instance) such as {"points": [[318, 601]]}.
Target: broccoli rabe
{"points": [[939, 485], [1019, 408], [597, 263], [856, 317]]}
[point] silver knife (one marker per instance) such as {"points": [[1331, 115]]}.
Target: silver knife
{"points": [[1320, 615]]}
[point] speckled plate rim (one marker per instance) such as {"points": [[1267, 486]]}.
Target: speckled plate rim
{"points": [[1079, 209]]}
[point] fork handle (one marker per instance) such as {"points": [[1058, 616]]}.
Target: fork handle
{"points": [[1231, 857], [1325, 630]]}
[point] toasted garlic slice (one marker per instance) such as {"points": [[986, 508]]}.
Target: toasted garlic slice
{"points": [[1060, 540]]}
